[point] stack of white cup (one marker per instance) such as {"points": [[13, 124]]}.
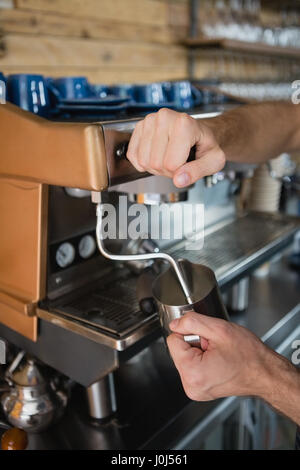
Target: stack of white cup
{"points": [[265, 190]]}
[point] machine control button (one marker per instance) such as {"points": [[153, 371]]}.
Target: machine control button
{"points": [[65, 255], [87, 246]]}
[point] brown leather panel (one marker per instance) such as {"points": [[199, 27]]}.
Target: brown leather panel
{"points": [[26, 326], [23, 243], [21, 306], [62, 154]]}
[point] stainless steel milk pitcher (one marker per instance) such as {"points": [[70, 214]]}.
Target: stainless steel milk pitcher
{"points": [[204, 291]]}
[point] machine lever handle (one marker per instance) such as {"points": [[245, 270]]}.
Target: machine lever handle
{"points": [[122, 148]]}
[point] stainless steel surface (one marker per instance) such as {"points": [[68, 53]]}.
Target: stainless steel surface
{"points": [[237, 245], [32, 403], [101, 398], [238, 297], [204, 291], [151, 199], [74, 324], [139, 245], [152, 190], [77, 193], [296, 244], [193, 340], [111, 305], [78, 353], [139, 257]]}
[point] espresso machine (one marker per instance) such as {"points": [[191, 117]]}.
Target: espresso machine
{"points": [[74, 310]]}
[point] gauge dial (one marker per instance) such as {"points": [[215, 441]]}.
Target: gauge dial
{"points": [[87, 246], [65, 255]]}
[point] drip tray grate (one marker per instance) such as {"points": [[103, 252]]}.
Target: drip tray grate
{"points": [[241, 243], [114, 308]]}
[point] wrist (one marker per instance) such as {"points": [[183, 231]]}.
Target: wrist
{"points": [[216, 128], [277, 375]]}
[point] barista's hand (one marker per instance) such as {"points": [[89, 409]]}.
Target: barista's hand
{"points": [[161, 143], [233, 361]]}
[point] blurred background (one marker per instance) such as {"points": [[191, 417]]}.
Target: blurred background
{"points": [[153, 40]]}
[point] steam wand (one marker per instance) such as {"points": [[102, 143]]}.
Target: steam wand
{"points": [[138, 257]]}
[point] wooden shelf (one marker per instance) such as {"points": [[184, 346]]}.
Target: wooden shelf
{"points": [[243, 46]]}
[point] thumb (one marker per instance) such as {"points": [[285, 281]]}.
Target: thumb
{"points": [[208, 164]]}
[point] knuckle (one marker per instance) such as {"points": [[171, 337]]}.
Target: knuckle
{"points": [[130, 155], [139, 125], [148, 120], [183, 120], [192, 389], [140, 163], [141, 166], [221, 159], [155, 165], [225, 329], [192, 380], [169, 339], [189, 322], [163, 113], [190, 393], [170, 166]]}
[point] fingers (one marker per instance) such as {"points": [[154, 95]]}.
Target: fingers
{"points": [[183, 136], [182, 353], [159, 146], [191, 324], [197, 324], [161, 143], [133, 147], [210, 163], [145, 142]]}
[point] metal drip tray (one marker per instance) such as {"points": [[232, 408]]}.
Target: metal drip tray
{"points": [[113, 308], [241, 244]]}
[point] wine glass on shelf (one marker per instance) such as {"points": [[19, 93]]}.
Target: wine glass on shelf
{"points": [[208, 19], [254, 11], [235, 15], [220, 12]]}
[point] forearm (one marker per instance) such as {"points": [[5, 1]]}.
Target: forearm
{"points": [[280, 386], [256, 133]]}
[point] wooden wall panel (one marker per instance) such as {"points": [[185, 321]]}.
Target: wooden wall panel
{"points": [[52, 24], [132, 11], [48, 50], [107, 41]]}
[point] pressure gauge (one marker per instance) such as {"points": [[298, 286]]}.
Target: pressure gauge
{"points": [[65, 255], [87, 246]]}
